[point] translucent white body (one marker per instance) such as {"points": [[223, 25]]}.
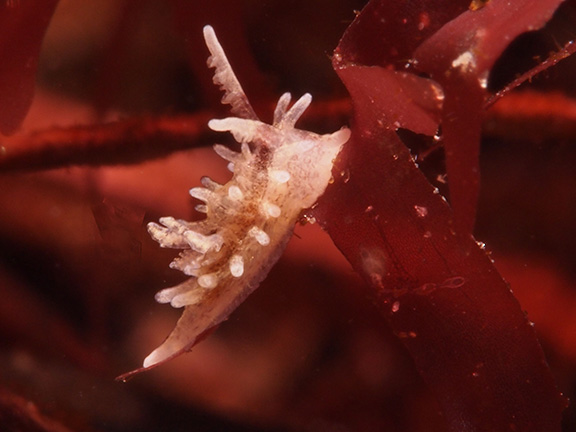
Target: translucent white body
{"points": [[279, 172]]}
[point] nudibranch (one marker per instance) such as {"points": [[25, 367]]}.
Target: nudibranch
{"points": [[279, 172]]}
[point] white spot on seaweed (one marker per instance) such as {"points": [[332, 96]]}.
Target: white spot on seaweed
{"points": [[374, 264], [438, 92], [465, 61], [441, 178], [421, 211], [483, 80]]}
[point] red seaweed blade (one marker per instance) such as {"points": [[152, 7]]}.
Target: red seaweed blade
{"points": [[459, 56], [437, 288], [23, 25]]}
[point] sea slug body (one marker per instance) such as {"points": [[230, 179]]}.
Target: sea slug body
{"points": [[279, 171]]}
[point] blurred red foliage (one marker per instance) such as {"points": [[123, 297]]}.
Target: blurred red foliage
{"points": [[23, 26]]}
